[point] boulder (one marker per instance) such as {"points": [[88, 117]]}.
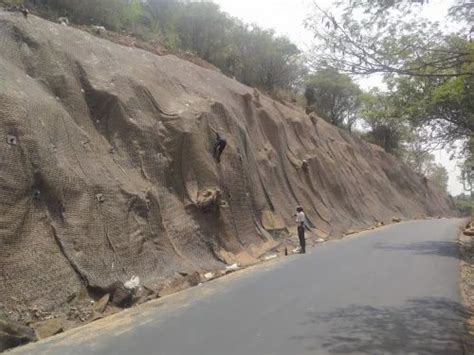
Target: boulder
{"points": [[193, 279], [122, 297], [209, 276], [14, 334], [118, 295], [270, 257], [49, 328], [101, 304], [469, 232], [181, 282], [396, 219], [208, 198], [231, 268]]}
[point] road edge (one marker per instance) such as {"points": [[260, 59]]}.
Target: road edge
{"points": [[466, 286]]}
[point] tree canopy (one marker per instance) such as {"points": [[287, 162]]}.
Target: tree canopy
{"points": [[334, 97], [386, 36], [386, 127], [254, 56], [428, 68]]}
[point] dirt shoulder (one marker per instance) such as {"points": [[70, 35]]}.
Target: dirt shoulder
{"points": [[466, 242]]}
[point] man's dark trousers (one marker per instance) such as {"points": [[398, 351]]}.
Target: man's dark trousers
{"points": [[301, 237]]}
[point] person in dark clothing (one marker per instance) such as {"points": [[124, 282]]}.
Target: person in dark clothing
{"points": [[300, 219], [219, 146]]}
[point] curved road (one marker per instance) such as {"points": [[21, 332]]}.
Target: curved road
{"points": [[389, 291]]}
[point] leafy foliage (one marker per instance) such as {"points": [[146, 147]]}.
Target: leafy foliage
{"points": [[334, 97], [429, 69], [443, 105], [252, 55], [110, 13], [381, 36], [382, 117], [387, 127], [439, 175], [467, 168], [423, 162], [465, 204]]}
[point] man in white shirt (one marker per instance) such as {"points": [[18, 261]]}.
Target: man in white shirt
{"points": [[300, 219]]}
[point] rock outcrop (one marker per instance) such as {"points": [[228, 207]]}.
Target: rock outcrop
{"points": [[106, 152]]}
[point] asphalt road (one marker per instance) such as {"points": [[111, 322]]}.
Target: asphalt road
{"points": [[390, 291]]}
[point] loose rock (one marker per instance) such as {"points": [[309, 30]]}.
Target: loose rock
{"points": [[101, 304], [14, 334], [270, 257], [469, 232], [49, 328], [209, 276]]}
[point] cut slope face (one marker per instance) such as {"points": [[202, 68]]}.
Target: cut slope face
{"points": [[105, 151]]}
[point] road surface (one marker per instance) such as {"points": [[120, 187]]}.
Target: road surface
{"points": [[390, 291]]}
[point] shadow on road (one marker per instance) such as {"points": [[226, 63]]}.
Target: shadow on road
{"points": [[420, 326], [437, 248]]}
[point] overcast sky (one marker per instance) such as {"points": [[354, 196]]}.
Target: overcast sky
{"points": [[287, 17]]}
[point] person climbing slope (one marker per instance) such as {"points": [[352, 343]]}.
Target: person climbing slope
{"points": [[219, 146], [300, 219]]}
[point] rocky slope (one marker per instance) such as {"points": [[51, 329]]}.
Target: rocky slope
{"points": [[106, 157]]}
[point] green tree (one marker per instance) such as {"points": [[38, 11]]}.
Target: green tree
{"points": [[132, 13], [385, 125], [108, 13], [252, 55], [439, 175], [268, 61], [203, 29], [443, 105], [386, 36], [467, 168], [419, 158], [465, 204], [416, 155], [334, 97], [12, 2], [430, 72]]}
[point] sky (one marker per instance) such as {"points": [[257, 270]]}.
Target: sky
{"points": [[287, 18]]}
